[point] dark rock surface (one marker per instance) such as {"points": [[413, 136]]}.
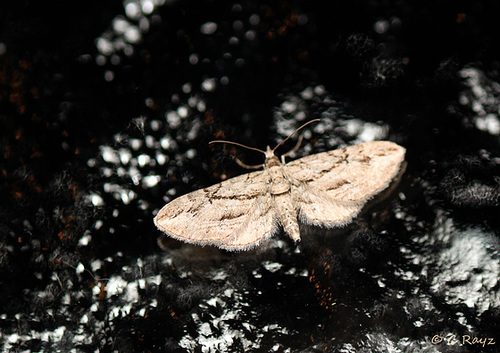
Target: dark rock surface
{"points": [[106, 111]]}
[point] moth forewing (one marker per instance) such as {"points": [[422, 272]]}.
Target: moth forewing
{"points": [[353, 173], [335, 185], [325, 189], [209, 215]]}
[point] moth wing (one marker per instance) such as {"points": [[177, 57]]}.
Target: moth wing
{"points": [[354, 173], [260, 224], [333, 186], [317, 208], [235, 214]]}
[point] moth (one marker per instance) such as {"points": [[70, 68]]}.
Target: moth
{"points": [[326, 189]]}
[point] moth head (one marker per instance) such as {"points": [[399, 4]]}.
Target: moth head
{"points": [[271, 158]]}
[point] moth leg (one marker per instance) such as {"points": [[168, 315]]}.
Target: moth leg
{"points": [[299, 142], [246, 166]]}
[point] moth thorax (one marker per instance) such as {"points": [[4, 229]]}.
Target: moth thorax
{"points": [[272, 162], [279, 184], [280, 188]]}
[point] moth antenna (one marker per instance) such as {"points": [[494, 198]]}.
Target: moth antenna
{"points": [[237, 144], [293, 133]]}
